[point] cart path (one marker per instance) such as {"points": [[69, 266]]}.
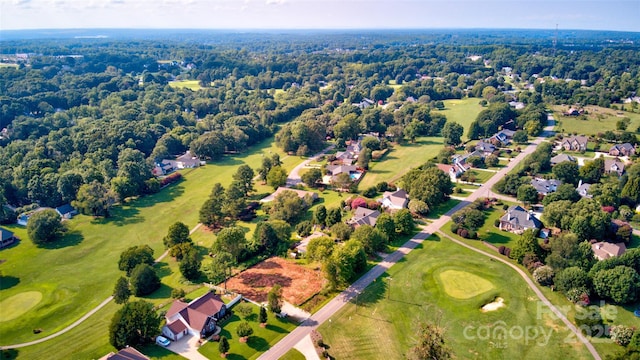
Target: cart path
{"points": [[85, 316]]}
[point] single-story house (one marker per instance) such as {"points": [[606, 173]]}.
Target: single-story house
{"points": [[395, 200], [163, 167], [184, 161], [625, 149], [199, 317], [583, 189], [573, 112], [127, 353], [604, 250], [301, 194], [485, 147], [575, 143], [503, 136], [560, 158], [66, 211], [6, 238], [335, 170], [517, 220], [544, 186], [365, 103], [364, 216], [612, 166]]}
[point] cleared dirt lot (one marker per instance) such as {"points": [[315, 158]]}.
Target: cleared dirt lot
{"points": [[298, 283]]}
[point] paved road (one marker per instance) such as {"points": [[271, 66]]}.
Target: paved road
{"points": [[85, 316], [294, 176], [325, 313]]}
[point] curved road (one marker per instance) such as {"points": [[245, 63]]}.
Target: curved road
{"points": [[294, 177], [325, 313], [85, 316]]}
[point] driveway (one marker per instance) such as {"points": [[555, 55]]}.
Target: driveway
{"points": [[294, 176], [187, 347]]}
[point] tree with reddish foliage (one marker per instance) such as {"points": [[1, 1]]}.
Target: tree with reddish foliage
{"points": [[358, 202]]}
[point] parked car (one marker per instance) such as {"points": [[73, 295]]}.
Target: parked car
{"points": [[161, 340]]}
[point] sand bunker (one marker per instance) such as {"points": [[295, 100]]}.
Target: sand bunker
{"points": [[493, 306]]}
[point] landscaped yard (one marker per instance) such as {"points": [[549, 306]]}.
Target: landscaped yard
{"points": [[399, 160], [81, 269], [189, 84], [445, 283], [598, 120], [261, 340]]}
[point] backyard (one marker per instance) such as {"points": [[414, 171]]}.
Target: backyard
{"points": [[444, 283]]}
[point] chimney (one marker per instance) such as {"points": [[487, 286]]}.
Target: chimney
{"points": [[580, 183], [509, 216]]}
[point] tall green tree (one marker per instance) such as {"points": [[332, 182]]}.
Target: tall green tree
{"points": [[178, 233], [452, 133], [136, 323], [527, 194], [94, 199], [211, 212], [526, 244], [430, 344], [276, 177], [567, 172], [144, 280], [320, 215], [45, 226], [311, 177], [274, 299], [231, 240], [135, 255], [121, 292], [244, 176]]}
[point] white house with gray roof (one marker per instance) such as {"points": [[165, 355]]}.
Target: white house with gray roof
{"points": [[517, 220]]}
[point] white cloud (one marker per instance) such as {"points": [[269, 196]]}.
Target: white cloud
{"points": [[275, 2]]}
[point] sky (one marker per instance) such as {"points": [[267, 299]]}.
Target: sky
{"points": [[622, 15]]}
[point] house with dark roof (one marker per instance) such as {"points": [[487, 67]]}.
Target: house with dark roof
{"points": [[364, 216], [613, 166], [6, 238], [604, 250], [485, 147], [544, 186], [66, 211], [199, 317], [625, 149], [502, 137], [127, 353], [560, 158], [517, 220], [395, 200], [575, 143]]}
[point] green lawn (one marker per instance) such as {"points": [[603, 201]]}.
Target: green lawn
{"points": [[293, 354], [81, 269], [381, 323], [598, 120], [488, 232], [441, 209], [189, 84], [399, 160], [462, 111], [261, 340]]}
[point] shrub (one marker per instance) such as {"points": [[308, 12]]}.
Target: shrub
{"points": [[578, 296], [473, 234], [370, 192], [244, 330], [382, 186], [454, 228], [544, 275], [464, 233], [501, 249], [170, 179], [505, 207], [496, 223], [507, 252], [243, 309], [177, 293], [304, 228], [621, 334], [358, 202]]}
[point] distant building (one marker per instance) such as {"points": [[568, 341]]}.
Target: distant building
{"points": [[395, 200], [66, 211], [6, 238], [583, 189], [560, 158]]}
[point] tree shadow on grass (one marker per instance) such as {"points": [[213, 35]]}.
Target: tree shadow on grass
{"points": [[120, 216], [275, 328], [7, 282], [232, 356], [164, 292], [258, 343], [162, 269], [495, 238], [8, 354], [71, 238]]}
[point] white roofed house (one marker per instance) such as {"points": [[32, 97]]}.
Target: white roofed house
{"points": [[544, 186], [517, 220], [364, 216], [395, 200], [604, 250]]}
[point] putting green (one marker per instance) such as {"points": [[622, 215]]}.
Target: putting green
{"points": [[463, 285], [13, 307]]}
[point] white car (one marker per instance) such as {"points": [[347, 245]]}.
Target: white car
{"points": [[161, 340]]}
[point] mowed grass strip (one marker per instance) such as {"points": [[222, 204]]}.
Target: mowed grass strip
{"points": [[381, 323], [81, 269], [399, 160]]}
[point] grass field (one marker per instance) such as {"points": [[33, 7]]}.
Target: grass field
{"points": [[293, 354], [597, 120], [189, 84], [82, 268], [261, 340], [463, 111], [381, 322], [401, 159]]}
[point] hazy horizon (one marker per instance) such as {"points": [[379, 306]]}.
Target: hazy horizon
{"points": [[262, 15]]}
